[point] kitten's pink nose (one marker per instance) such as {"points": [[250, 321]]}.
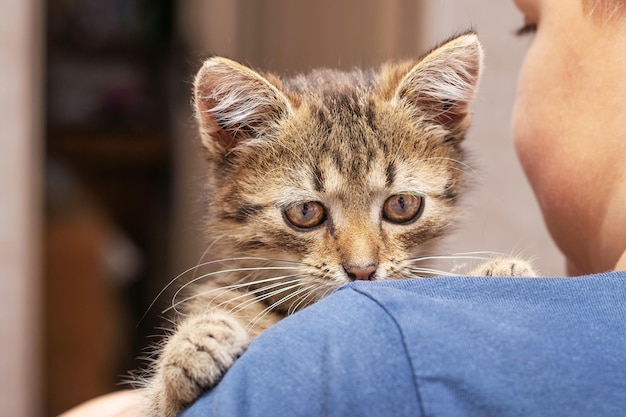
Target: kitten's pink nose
{"points": [[361, 273]]}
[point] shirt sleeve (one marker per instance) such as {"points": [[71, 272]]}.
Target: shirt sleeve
{"points": [[449, 346], [343, 356]]}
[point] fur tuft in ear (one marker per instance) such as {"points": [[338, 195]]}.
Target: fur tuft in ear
{"points": [[441, 86], [235, 104]]}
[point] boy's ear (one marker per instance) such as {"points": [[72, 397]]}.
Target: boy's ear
{"points": [[234, 104], [440, 87]]}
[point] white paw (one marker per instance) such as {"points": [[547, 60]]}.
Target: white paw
{"points": [[193, 361], [504, 267]]}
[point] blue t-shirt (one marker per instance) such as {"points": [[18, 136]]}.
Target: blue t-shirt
{"points": [[460, 346]]}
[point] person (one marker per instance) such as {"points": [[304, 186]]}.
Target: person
{"points": [[497, 346], [568, 127]]}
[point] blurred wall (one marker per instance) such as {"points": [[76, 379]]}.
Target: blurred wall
{"points": [[501, 213], [20, 168], [113, 69], [291, 36]]}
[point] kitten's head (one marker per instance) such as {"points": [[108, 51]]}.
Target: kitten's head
{"points": [[350, 174]]}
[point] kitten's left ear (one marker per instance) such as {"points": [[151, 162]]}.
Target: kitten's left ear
{"points": [[441, 86]]}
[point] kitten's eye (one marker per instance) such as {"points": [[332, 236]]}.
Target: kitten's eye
{"points": [[305, 215], [403, 208]]}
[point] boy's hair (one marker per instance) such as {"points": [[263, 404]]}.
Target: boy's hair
{"points": [[604, 10]]}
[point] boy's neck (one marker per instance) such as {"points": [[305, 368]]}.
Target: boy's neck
{"points": [[621, 264]]}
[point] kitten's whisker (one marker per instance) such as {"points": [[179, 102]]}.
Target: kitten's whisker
{"points": [[296, 295], [244, 295], [225, 289], [291, 284], [328, 290], [484, 252], [255, 282], [245, 258], [194, 268], [264, 297], [307, 291], [226, 271], [266, 311], [471, 256], [296, 307], [175, 303], [459, 255], [258, 290], [445, 257], [206, 251], [432, 272]]}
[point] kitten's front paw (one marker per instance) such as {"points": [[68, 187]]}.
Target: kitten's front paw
{"points": [[504, 267], [193, 360]]}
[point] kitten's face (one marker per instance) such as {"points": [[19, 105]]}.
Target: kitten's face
{"points": [[349, 175]]}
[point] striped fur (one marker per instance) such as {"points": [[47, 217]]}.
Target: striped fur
{"points": [[356, 144]]}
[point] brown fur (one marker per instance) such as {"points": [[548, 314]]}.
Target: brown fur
{"points": [[345, 141]]}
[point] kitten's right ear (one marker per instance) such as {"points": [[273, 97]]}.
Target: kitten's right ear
{"points": [[235, 104]]}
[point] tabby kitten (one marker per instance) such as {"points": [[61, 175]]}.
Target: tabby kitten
{"points": [[316, 181]]}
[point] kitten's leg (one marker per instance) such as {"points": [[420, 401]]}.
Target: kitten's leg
{"points": [[504, 267], [193, 360]]}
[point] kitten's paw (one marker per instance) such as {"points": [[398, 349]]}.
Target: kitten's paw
{"points": [[193, 360], [504, 267]]}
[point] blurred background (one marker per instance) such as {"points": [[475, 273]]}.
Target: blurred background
{"points": [[101, 172]]}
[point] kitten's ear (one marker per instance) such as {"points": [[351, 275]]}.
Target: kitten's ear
{"points": [[234, 104], [441, 86]]}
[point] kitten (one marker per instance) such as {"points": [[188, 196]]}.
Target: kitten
{"points": [[317, 181]]}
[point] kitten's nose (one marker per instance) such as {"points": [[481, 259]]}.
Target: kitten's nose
{"points": [[362, 273]]}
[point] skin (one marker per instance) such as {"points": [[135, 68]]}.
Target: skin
{"points": [[569, 131], [570, 138], [120, 404]]}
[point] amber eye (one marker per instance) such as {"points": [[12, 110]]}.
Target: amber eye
{"points": [[403, 208], [305, 215]]}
